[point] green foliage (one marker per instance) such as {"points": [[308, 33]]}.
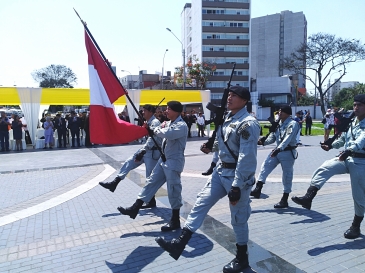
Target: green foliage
{"points": [[55, 76], [306, 100], [345, 98], [196, 73], [266, 103]]}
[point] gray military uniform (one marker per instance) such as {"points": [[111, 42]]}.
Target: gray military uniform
{"points": [[353, 139], [174, 136], [149, 159], [285, 137], [240, 132]]}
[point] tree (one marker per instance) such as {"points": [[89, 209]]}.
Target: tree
{"points": [[196, 73], [324, 54], [345, 98], [55, 76], [306, 100], [266, 103]]}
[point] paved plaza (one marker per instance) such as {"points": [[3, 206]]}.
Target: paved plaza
{"points": [[54, 217]]}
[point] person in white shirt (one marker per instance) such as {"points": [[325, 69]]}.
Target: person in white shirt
{"points": [[201, 125]]}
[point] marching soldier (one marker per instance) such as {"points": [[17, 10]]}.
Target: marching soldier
{"points": [[285, 154], [351, 160], [174, 134], [148, 155], [236, 142]]}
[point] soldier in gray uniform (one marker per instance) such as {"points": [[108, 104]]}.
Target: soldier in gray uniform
{"points": [[148, 155], [174, 134], [236, 142], [285, 154], [351, 160]]}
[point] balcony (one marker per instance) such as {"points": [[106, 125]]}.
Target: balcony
{"points": [[226, 42]]}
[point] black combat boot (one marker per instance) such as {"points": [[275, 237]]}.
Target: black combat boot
{"points": [[174, 222], [283, 202], [210, 170], [354, 231], [133, 210], [257, 191], [150, 204], [111, 185], [176, 246], [306, 200], [240, 262]]}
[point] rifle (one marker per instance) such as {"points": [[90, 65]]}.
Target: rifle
{"points": [[219, 111], [272, 128], [342, 127]]}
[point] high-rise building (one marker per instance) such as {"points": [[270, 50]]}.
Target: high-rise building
{"points": [[274, 37], [217, 32]]}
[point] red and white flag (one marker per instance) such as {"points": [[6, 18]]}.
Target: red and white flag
{"points": [[105, 127]]}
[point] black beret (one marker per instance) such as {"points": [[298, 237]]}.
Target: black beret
{"points": [[150, 108], [243, 92], [73, 112], [360, 98], [175, 106], [286, 109]]}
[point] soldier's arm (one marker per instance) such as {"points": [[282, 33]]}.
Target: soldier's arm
{"points": [[247, 157], [175, 131], [270, 139], [150, 143]]}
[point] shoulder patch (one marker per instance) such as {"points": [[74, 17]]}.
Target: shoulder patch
{"points": [[244, 132], [289, 130]]}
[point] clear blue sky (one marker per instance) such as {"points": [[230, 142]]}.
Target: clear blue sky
{"points": [[133, 35]]}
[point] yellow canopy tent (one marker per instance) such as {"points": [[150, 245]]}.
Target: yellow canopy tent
{"points": [[31, 100]]}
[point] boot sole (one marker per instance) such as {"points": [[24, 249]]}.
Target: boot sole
{"points": [[256, 196], [123, 212], [175, 255], [112, 190], [298, 202]]}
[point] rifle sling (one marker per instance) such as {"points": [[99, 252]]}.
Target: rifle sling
{"points": [[229, 149]]}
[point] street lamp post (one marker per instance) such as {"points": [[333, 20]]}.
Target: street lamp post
{"points": [[183, 54], [131, 77], [163, 64]]}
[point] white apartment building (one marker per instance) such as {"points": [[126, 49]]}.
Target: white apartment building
{"points": [[218, 32]]}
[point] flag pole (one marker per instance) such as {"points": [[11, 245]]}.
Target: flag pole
{"points": [[112, 71], [108, 64]]}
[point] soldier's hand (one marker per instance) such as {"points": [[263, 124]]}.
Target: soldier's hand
{"points": [[344, 154], [326, 146], [150, 131], [234, 195], [275, 152], [205, 149], [139, 156], [261, 140]]}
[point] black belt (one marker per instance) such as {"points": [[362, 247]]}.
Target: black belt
{"points": [[289, 148], [358, 155], [229, 165]]}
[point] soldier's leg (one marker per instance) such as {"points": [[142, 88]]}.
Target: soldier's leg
{"points": [[128, 165], [150, 164], [320, 176], [239, 217], [209, 195], [266, 168], [153, 183], [358, 195], [287, 161]]}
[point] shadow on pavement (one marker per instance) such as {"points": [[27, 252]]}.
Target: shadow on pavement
{"points": [[137, 260], [356, 244], [313, 216], [199, 242]]}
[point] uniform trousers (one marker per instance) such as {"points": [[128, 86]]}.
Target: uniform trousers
{"points": [[161, 174], [286, 159], [215, 189], [129, 165], [356, 170]]}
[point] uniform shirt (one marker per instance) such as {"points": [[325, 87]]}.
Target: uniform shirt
{"points": [[353, 139], [241, 132], [153, 123], [285, 135], [174, 136]]}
